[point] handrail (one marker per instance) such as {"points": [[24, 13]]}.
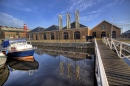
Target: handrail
{"points": [[99, 68], [121, 47]]}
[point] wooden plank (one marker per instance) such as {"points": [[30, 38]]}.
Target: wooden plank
{"points": [[117, 71]]}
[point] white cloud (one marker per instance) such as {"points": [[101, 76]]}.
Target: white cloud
{"points": [[27, 9], [9, 20], [78, 5], [93, 14]]}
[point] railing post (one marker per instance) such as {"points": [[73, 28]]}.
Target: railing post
{"points": [[120, 48], [106, 41], [111, 44]]}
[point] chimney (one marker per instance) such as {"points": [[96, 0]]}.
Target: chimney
{"points": [[25, 26], [60, 22], [77, 19], [68, 21]]}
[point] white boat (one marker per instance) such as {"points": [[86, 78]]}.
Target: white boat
{"points": [[17, 48], [3, 59]]}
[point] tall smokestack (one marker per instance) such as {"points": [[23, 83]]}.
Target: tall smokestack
{"points": [[60, 22], [68, 21], [25, 26], [77, 19]]}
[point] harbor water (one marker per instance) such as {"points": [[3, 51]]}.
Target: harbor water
{"points": [[50, 70]]}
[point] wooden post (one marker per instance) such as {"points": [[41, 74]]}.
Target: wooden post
{"points": [[120, 49]]}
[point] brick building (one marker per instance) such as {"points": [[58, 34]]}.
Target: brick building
{"points": [[54, 34], [12, 32], [105, 29], [73, 32]]}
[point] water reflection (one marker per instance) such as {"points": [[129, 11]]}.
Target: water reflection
{"points": [[23, 65], [4, 73], [75, 54], [76, 73], [52, 69]]}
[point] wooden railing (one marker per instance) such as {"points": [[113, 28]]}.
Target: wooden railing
{"points": [[122, 49]]}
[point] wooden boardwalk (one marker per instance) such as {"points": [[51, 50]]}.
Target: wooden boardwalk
{"points": [[117, 71]]}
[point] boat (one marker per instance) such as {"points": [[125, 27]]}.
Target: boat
{"points": [[3, 58], [17, 48]]}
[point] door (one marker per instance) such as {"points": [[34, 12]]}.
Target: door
{"points": [[103, 34]]}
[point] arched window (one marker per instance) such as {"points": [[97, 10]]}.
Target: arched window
{"points": [[113, 34], [103, 34], [103, 26], [31, 37], [52, 35], [65, 35], [94, 34], [36, 37], [76, 35], [44, 36]]}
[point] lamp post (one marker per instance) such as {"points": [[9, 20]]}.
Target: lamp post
{"points": [[111, 32]]}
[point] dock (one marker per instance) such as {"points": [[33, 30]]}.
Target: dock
{"points": [[116, 70]]}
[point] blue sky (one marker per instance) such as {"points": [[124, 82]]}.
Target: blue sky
{"points": [[44, 13]]}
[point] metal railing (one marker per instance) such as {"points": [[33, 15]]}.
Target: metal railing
{"points": [[99, 68], [122, 49]]}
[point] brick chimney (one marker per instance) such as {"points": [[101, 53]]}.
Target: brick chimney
{"points": [[60, 22], [68, 20], [77, 19]]}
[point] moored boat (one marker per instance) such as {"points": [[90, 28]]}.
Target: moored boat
{"points": [[17, 48]]}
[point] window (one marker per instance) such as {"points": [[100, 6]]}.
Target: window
{"points": [[36, 37], [113, 34], [103, 26], [31, 36], [76, 35], [94, 34], [52, 35], [44, 36], [65, 35]]}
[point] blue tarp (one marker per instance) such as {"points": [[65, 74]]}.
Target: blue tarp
{"points": [[5, 43]]}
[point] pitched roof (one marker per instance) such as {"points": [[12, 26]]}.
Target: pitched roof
{"points": [[106, 22], [53, 27], [127, 32], [37, 29], [73, 25]]}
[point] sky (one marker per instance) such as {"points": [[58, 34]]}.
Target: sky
{"points": [[44, 13]]}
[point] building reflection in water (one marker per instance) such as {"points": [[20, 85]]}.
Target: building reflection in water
{"points": [[70, 67]]}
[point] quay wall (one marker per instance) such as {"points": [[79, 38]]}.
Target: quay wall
{"points": [[64, 44]]}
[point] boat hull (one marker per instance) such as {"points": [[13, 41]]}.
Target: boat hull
{"points": [[21, 54]]}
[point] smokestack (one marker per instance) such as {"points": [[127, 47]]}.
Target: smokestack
{"points": [[25, 26], [68, 21], [77, 19], [60, 22]]}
